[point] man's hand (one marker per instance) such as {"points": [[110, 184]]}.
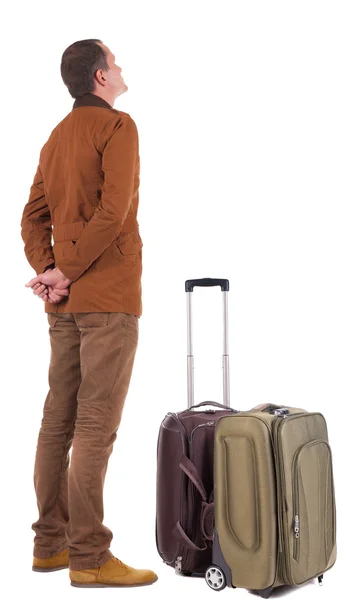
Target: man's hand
{"points": [[49, 294], [50, 286]]}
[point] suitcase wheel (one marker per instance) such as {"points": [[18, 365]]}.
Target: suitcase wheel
{"points": [[215, 578], [265, 593]]}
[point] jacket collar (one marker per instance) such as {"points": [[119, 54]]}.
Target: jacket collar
{"points": [[91, 100]]}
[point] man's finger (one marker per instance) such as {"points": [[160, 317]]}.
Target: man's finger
{"points": [[58, 291], [53, 297], [33, 281], [39, 289], [61, 292]]}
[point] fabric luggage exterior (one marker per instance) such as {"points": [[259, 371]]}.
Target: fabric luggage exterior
{"points": [[185, 457], [185, 507], [275, 510]]}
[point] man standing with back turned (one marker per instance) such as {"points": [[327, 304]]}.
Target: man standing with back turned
{"points": [[85, 195]]}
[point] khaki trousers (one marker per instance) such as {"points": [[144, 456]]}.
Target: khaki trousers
{"points": [[91, 362]]}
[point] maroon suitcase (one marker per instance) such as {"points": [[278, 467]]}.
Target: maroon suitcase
{"points": [[185, 456]]}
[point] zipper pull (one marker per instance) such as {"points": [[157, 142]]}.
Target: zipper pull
{"points": [[280, 412], [178, 564], [297, 526]]}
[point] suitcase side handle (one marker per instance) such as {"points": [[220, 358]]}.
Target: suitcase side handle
{"points": [[273, 409], [265, 407], [212, 403], [206, 282]]}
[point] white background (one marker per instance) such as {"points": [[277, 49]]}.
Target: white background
{"points": [[239, 107]]}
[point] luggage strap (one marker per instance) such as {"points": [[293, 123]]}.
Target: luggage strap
{"points": [[191, 471], [207, 510], [179, 530], [207, 518]]}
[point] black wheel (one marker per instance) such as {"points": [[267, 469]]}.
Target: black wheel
{"points": [[215, 578], [265, 593]]}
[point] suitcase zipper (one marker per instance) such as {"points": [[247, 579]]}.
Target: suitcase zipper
{"points": [[208, 423], [280, 496], [282, 512], [177, 558], [178, 564], [296, 524], [296, 553]]}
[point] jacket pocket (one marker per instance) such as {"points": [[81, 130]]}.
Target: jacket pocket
{"points": [[127, 246], [66, 246]]}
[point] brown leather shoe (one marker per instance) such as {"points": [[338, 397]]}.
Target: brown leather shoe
{"points": [[53, 563], [113, 573]]}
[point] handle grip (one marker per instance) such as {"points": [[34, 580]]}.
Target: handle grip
{"points": [[212, 403], [206, 282]]}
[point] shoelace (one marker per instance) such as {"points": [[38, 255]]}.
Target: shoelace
{"points": [[119, 562]]}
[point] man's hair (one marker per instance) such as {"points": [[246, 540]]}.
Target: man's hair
{"points": [[79, 63]]}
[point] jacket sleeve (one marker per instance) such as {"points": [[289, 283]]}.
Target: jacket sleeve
{"points": [[119, 160], [36, 228]]}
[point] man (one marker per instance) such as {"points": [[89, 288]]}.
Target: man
{"points": [[85, 195]]}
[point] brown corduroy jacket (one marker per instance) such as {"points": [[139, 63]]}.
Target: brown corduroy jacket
{"points": [[85, 195]]}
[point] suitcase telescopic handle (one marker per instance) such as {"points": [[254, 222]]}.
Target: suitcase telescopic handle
{"points": [[207, 282]]}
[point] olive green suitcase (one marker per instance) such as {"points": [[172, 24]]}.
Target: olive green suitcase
{"points": [[275, 512]]}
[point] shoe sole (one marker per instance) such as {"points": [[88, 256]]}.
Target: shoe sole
{"points": [[120, 585], [44, 570]]}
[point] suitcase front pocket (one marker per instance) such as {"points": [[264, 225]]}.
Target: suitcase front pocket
{"points": [[313, 525]]}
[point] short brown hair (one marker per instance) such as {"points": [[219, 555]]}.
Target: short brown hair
{"points": [[79, 63]]}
